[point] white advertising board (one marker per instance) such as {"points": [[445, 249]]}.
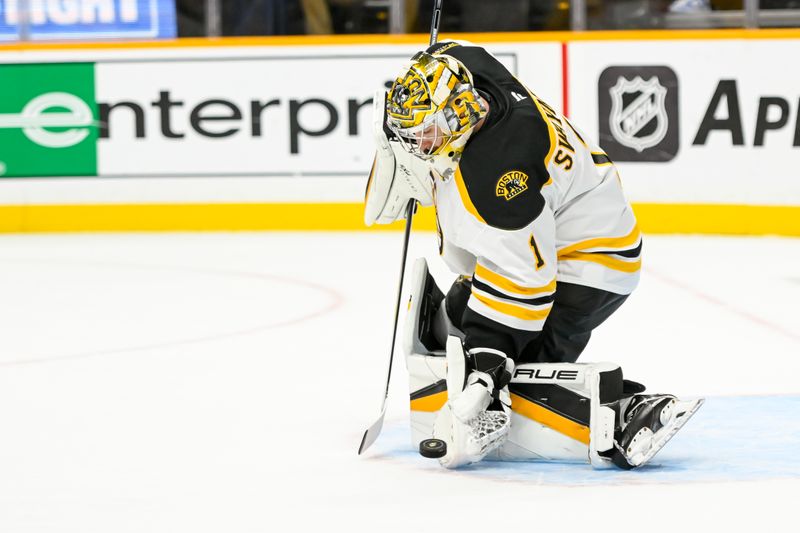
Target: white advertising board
{"points": [[308, 116], [270, 124], [709, 121]]}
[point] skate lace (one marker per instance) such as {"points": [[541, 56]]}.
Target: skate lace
{"points": [[633, 410]]}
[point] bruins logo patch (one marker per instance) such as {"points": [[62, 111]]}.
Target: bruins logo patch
{"points": [[512, 184]]}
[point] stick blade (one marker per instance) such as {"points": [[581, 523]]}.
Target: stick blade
{"points": [[371, 434]]}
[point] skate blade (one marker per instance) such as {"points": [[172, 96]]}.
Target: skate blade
{"points": [[661, 440]]}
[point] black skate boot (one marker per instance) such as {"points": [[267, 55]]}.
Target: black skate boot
{"points": [[647, 423]]}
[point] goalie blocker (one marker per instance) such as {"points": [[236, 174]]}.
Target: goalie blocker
{"points": [[559, 411]]}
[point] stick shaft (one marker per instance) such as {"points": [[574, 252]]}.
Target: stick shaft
{"points": [[435, 21], [373, 431], [404, 257]]}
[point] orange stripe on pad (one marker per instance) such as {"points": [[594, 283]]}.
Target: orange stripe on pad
{"points": [[430, 404], [521, 406], [549, 418]]}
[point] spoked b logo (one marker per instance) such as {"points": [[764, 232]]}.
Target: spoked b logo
{"points": [[639, 113]]}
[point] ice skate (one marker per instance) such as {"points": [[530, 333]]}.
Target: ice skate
{"points": [[648, 422]]}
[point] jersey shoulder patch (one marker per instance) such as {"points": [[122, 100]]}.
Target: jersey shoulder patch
{"points": [[503, 170]]}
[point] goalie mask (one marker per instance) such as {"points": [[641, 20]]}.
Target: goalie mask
{"points": [[433, 107], [429, 114]]}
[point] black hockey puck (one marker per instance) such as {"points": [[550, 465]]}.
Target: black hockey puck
{"points": [[433, 448]]}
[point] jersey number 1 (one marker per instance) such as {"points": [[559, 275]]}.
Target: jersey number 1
{"points": [[535, 248]]}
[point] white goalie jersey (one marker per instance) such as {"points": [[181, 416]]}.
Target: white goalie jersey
{"points": [[532, 204]]}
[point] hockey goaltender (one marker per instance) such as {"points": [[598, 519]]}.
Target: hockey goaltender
{"points": [[532, 216]]}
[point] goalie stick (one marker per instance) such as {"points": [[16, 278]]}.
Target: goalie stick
{"points": [[372, 432]]}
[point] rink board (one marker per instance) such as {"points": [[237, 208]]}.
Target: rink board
{"points": [[273, 133]]}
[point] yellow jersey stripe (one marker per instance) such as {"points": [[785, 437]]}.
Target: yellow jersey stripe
{"points": [[606, 242], [608, 262], [508, 285], [551, 130], [465, 199], [549, 418], [510, 309], [430, 404]]}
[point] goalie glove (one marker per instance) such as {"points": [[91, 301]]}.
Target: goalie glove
{"points": [[475, 398], [476, 419], [491, 374], [396, 176]]}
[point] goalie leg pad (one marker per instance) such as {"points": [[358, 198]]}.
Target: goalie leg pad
{"points": [[590, 402], [427, 324], [573, 403]]}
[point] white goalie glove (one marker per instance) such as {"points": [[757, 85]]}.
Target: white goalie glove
{"points": [[397, 176], [475, 398], [470, 431]]}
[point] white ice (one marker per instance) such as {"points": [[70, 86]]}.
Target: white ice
{"points": [[218, 383]]}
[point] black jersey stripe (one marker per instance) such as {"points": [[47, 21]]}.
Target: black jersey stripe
{"points": [[633, 253], [601, 159], [542, 300]]}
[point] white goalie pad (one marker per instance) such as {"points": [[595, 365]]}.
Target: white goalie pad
{"points": [[558, 410], [564, 407]]}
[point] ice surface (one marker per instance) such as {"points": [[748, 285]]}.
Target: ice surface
{"points": [[221, 383]]}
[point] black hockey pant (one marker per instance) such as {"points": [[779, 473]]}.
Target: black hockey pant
{"points": [[576, 311]]}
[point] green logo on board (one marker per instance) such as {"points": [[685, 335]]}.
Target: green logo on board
{"points": [[48, 120]]}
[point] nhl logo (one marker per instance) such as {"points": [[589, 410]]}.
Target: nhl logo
{"points": [[638, 116], [638, 113]]}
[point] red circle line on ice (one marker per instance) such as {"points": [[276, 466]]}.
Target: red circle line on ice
{"points": [[335, 300]]}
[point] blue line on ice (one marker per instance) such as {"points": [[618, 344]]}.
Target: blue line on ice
{"points": [[729, 439]]}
